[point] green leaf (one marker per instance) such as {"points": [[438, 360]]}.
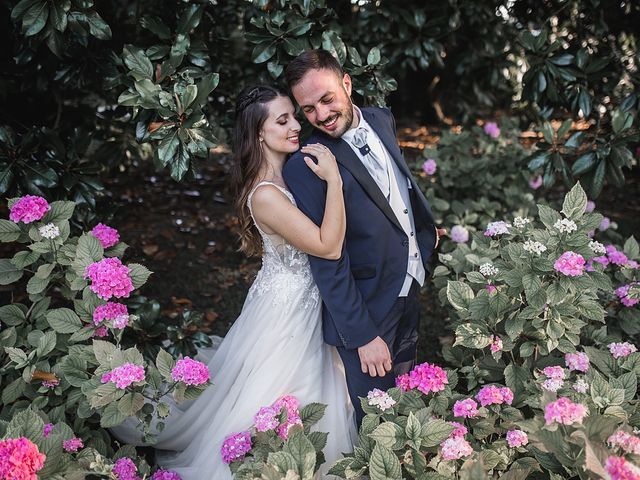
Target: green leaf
{"points": [[165, 363], [8, 272], [206, 85], [26, 423], [157, 26], [138, 273], [111, 416], [583, 164], [459, 294], [311, 414], [130, 403], [301, 449], [97, 26], [59, 211], [389, 435], [263, 52], [63, 320], [13, 391], [630, 248], [435, 432], [46, 344], [283, 461], [104, 351], [12, 315], [35, 19], [373, 58], [9, 231], [575, 202], [473, 335], [89, 248], [548, 216], [384, 465], [137, 61]]}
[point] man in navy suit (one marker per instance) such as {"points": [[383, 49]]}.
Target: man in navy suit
{"points": [[370, 294]]}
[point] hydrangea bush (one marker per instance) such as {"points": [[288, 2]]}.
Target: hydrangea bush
{"points": [[66, 376], [545, 378]]}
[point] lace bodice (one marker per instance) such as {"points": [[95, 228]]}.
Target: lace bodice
{"points": [[285, 271]]}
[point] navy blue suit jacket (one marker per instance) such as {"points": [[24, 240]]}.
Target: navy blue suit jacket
{"points": [[359, 289]]}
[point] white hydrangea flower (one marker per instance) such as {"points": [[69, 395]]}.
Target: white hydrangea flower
{"points": [[49, 231], [521, 222], [597, 247], [532, 246], [380, 399], [488, 270], [581, 386], [565, 225]]}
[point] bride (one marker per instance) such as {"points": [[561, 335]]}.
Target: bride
{"points": [[275, 347]]}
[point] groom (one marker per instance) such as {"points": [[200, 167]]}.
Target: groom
{"points": [[370, 294]]}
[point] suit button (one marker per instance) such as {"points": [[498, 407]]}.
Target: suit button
{"points": [[405, 243], [412, 234], [406, 211], [415, 255]]}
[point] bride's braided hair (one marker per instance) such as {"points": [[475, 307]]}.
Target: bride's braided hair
{"points": [[251, 112]]}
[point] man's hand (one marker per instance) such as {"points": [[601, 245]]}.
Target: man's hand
{"points": [[375, 358], [440, 232]]}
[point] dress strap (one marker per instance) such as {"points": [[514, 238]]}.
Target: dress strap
{"points": [[253, 190]]}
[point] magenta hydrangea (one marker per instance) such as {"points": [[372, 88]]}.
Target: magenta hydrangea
{"points": [[266, 419], [100, 332], [626, 441], [290, 404], [570, 264], [619, 468], [47, 429], [166, 475], [491, 289], [556, 372], [459, 430], [402, 382], [623, 294], [124, 375], [493, 395], [621, 349], [109, 278], [191, 372], [125, 469], [117, 313], [73, 444], [28, 209], [235, 447], [459, 234], [564, 411], [454, 448], [428, 378], [577, 362], [20, 459], [429, 166], [496, 344], [467, 408], [517, 438], [491, 129], [535, 183], [107, 236], [51, 383]]}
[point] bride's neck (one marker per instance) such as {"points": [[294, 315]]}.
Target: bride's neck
{"points": [[272, 170]]}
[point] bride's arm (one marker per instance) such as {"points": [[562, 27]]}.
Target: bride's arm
{"points": [[276, 214]]}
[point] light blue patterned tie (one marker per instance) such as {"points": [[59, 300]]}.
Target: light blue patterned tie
{"points": [[377, 167]]}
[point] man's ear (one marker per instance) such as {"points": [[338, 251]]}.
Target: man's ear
{"points": [[346, 83]]}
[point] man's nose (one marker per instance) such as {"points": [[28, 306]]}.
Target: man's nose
{"points": [[323, 113]]}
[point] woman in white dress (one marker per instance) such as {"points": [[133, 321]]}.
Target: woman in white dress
{"points": [[275, 347]]}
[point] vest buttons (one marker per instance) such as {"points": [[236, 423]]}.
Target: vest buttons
{"points": [[406, 211], [405, 243]]}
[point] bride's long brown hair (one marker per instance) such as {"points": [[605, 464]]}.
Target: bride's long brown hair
{"points": [[251, 113]]}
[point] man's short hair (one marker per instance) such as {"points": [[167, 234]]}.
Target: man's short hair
{"points": [[310, 60]]}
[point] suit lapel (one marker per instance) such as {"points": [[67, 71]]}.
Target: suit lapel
{"points": [[388, 139], [349, 160]]}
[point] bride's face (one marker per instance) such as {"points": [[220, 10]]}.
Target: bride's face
{"points": [[280, 130]]}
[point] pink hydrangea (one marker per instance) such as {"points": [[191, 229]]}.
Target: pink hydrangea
{"points": [[623, 294], [428, 378], [402, 382], [100, 332], [517, 438], [491, 129], [459, 430], [619, 468], [191, 372], [570, 264], [491, 289], [493, 395], [467, 408], [124, 375], [556, 372], [166, 475], [605, 223], [577, 362], [618, 258], [125, 469], [266, 419], [535, 183], [235, 447], [459, 234], [51, 383], [290, 404], [112, 311], [627, 442], [73, 444], [47, 429], [552, 384], [564, 411], [29, 209], [430, 166], [109, 278], [496, 228], [107, 236], [621, 349], [496, 344], [454, 448], [20, 459], [591, 206]]}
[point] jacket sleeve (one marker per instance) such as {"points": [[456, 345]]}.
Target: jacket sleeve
{"points": [[338, 289]]}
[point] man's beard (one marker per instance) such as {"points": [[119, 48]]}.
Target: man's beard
{"points": [[348, 121]]}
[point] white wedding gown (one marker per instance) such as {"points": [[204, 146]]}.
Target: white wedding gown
{"points": [[274, 348]]}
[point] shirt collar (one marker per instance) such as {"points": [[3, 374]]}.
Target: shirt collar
{"points": [[349, 134]]}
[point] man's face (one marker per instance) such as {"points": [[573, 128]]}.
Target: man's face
{"points": [[325, 100]]}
